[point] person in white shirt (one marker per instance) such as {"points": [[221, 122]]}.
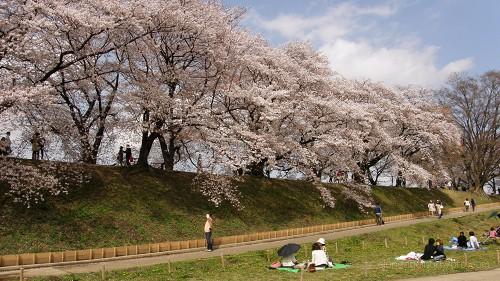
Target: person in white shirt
{"points": [[319, 258], [466, 204], [208, 232], [432, 208], [473, 242]]}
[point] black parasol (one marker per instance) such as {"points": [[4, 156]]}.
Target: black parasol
{"points": [[288, 249]]}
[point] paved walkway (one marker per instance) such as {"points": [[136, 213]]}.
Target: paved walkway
{"points": [[469, 276], [237, 249]]}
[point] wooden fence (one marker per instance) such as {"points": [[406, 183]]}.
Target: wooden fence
{"points": [[95, 255]]}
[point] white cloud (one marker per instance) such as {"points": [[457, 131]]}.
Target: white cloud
{"points": [[391, 65], [358, 46]]}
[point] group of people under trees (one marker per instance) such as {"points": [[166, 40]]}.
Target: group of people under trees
{"points": [[124, 157], [435, 208], [5, 145], [37, 146]]}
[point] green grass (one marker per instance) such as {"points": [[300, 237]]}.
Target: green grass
{"points": [[374, 255], [123, 206]]}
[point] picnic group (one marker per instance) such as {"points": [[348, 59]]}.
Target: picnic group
{"points": [[434, 250]]}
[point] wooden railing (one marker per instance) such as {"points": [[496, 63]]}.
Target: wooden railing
{"points": [[110, 253]]}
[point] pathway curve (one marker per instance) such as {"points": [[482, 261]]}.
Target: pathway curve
{"points": [[237, 249]]}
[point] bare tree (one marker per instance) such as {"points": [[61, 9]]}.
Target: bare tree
{"points": [[474, 103]]}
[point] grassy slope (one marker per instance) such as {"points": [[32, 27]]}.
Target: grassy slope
{"points": [[129, 206], [253, 265]]}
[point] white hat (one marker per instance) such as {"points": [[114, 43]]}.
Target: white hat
{"points": [[321, 241]]}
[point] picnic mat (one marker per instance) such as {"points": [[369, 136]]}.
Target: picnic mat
{"points": [[340, 266], [287, 269], [296, 270]]}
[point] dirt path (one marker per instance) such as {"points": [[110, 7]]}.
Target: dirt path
{"points": [[237, 249], [469, 276]]}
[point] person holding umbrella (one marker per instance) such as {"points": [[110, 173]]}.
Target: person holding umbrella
{"points": [[287, 254]]}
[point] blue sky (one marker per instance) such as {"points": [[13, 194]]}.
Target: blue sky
{"points": [[398, 42]]}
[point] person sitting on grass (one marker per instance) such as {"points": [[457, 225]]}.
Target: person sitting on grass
{"points": [[289, 261], [319, 258], [473, 242], [462, 240], [322, 242], [429, 250], [439, 254]]}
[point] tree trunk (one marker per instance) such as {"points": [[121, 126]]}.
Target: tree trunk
{"points": [[168, 151], [146, 144]]}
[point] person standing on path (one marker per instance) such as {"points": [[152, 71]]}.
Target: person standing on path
{"points": [[439, 208], [473, 204], [208, 232], [432, 208], [35, 146], [466, 204], [41, 144], [378, 214], [128, 155], [119, 157]]}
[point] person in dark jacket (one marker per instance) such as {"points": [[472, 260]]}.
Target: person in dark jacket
{"points": [[429, 250], [462, 240], [439, 254], [378, 214], [473, 204], [128, 155], [119, 157]]}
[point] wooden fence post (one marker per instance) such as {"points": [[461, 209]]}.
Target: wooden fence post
{"points": [[103, 272], [21, 274], [385, 242], [363, 244], [114, 252], [302, 275], [466, 262], [406, 241], [336, 247], [498, 257], [222, 260], [102, 253], [268, 256], [423, 240]]}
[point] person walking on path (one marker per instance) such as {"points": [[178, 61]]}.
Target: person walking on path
{"points": [[473, 204], [432, 208], [378, 214], [35, 146], [467, 204], [128, 155], [119, 157], [208, 232], [439, 208]]}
